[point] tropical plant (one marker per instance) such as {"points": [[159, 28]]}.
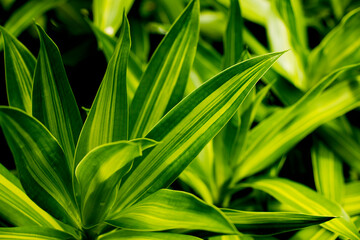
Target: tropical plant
{"points": [[112, 176]]}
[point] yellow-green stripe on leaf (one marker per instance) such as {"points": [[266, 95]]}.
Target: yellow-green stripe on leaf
{"points": [[169, 209], [19, 69], [189, 126], [308, 201], [110, 108], [41, 164]]}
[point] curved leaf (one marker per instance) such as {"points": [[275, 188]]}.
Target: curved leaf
{"points": [[335, 50], [169, 209], [17, 208], [99, 174], [134, 69], [41, 163], [25, 15], [189, 126], [164, 80], [282, 130], [33, 233], [110, 107], [269, 223], [19, 69], [122, 234], [53, 101], [308, 201]]}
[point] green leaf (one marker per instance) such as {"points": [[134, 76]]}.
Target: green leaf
{"points": [[107, 12], [163, 82], [207, 64], [134, 69], [19, 69], [308, 201], [314, 233], [24, 16], [278, 133], [33, 233], [123, 234], [233, 40], [336, 50], [53, 101], [41, 163], [189, 126], [342, 143], [99, 174], [328, 172], [169, 209], [279, 37], [110, 107], [351, 201], [18, 209], [9, 176], [269, 223]]}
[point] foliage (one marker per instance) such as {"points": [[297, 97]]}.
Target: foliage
{"points": [[214, 119]]}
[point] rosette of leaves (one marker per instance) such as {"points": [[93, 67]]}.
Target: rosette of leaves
{"points": [[105, 178]]}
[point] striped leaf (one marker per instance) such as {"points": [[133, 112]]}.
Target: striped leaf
{"points": [[110, 108], [24, 16], [10, 177], [342, 143], [53, 101], [123, 234], [33, 233], [274, 136], [314, 233], [169, 209], [351, 201], [99, 174], [41, 163], [134, 69], [18, 209], [269, 223], [163, 82], [335, 50], [107, 12], [233, 40], [189, 126], [308, 201], [19, 69], [328, 172]]}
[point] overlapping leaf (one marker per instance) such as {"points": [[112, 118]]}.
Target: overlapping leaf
{"points": [[18, 209], [19, 69], [41, 163], [168, 209], [134, 69], [53, 101], [279, 132], [99, 174], [163, 82], [308, 201], [188, 127], [110, 107], [335, 50]]}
